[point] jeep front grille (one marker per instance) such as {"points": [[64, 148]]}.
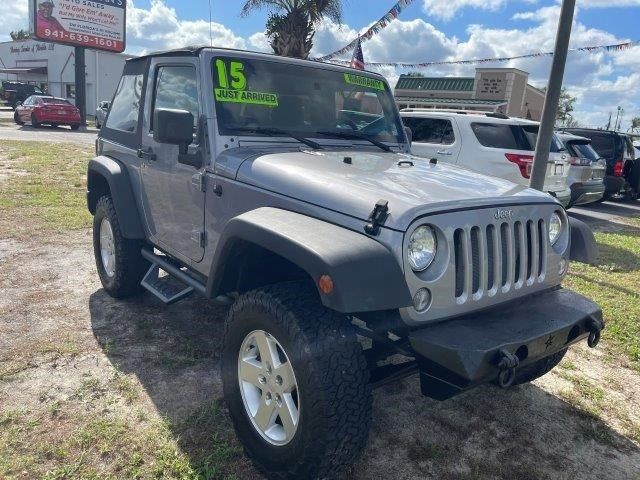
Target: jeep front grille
{"points": [[498, 258]]}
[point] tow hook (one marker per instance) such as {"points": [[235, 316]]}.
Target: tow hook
{"points": [[594, 326], [507, 363]]}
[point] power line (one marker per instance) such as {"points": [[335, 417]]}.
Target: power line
{"points": [[590, 49]]}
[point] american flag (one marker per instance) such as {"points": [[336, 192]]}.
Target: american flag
{"points": [[358, 59]]}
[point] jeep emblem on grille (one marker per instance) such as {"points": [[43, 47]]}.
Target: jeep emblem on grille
{"points": [[502, 214]]}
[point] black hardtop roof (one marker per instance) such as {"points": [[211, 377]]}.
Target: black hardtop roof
{"points": [[194, 51], [585, 129]]}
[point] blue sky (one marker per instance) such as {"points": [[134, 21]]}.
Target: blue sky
{"points": [[359, 13], [427, 30]]}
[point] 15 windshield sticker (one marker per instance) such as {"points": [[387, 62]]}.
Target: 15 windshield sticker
{"points": [[233, 84], [362, 81]]}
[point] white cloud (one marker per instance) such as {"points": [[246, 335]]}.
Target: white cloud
{"points": [[447, 9], [159, 27], [14, 18], [609, 4]]}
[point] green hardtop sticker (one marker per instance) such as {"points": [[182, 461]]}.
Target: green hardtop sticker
{"points": [[362, 81], [245, 96]]}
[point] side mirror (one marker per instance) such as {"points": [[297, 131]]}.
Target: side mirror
{"points": [[18, 103], [409, 134], [175, 127]]}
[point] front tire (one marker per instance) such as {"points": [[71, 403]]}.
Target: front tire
{"points": [[34, 121], [120, 264], [16, 118], [295, 382]]}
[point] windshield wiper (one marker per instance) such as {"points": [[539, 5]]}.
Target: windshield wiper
{"points": [[272, 132], [356, 136]]}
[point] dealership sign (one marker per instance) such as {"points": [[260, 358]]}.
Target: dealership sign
{"points": [[97, 24]]}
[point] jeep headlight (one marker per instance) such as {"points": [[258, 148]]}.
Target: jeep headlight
{"points": [[555, 227], [422, 248]]}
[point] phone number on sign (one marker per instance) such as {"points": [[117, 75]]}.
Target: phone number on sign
{"points": [[80, 38]]}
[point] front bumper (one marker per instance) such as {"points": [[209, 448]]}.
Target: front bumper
{"points": [[459, 354], [563, 196], [584, 193]]}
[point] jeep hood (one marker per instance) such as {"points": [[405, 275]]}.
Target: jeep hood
{"points": [[352, 182]]}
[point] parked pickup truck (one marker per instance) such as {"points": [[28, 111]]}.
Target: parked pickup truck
{"points": [[348, 263], [14, 93]]}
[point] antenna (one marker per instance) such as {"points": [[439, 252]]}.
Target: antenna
{"points": [[210, 28]]}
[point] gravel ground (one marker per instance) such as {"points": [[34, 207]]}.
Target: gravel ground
{"points": [[51, 293], [92, 387]]}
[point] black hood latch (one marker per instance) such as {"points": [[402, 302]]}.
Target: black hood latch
{"points": [[377, 217]]}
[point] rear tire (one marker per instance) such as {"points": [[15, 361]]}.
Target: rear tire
{"points": [[120, 264], [332, 393], [34, 121], [75, 127], [539, 368]]}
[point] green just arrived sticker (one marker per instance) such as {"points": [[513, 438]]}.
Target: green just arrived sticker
{"points": [[245, 96], [362, 81]]}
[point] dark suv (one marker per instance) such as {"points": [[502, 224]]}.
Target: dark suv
{"points": [[623, 170], [14, 92]]}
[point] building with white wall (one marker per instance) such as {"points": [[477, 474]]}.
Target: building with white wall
{"points": [[500, 90], [52, 67]]}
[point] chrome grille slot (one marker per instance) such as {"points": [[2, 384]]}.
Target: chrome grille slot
{"points": [[542, 241], [477, 264], [498, 257], [492, 257]]}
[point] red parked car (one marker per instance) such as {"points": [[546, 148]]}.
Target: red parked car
{"points": [[42, 109]]}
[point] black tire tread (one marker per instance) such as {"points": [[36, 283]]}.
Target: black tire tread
{"points": [[130, 264], [337, 366]]}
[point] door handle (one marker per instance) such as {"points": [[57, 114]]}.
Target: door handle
{"points": [[444, 152], [147, 154]]}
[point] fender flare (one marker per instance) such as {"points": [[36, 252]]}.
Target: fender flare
{"points": [[366, 275], [117, 178]]}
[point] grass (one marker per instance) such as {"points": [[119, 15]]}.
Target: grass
{"points": [[43, 187], [615, 285], [104, 428], [67, 441]]}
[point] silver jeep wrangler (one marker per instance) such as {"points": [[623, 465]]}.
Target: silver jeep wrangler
{"points": [[286, 188]]}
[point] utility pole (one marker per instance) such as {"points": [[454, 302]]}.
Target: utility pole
{"points": [[552, 99], [81, 84]]}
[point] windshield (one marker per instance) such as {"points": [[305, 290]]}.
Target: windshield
{"points": [[584, 150], [511, 136], [57, 101], [253, 95]]}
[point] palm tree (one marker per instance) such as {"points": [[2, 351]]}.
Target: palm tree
{"points": [[291, 23]]}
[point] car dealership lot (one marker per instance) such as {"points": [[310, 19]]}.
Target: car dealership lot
{"points": [[93, 386]]}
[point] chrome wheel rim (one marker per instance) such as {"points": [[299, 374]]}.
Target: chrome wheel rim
{"points": [[268, 388], [107, 248]]}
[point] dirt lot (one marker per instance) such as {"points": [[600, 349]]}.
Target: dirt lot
{"points": [[91, 387]]}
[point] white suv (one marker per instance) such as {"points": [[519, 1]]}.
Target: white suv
{"points": [[488, 143]]}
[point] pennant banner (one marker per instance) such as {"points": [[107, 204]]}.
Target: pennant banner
{"points": [[591, 49], [376, 28]]}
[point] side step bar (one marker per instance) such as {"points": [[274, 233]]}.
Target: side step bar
{"points": [[170, 288]]}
